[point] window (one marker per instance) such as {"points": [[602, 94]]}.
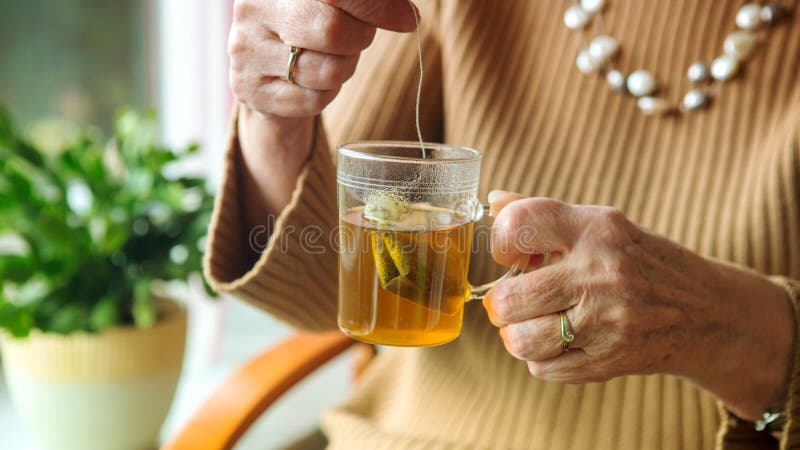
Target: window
{"points": [[79, 60]]}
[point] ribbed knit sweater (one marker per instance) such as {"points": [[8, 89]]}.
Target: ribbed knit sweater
{"points": [[500, 76]]}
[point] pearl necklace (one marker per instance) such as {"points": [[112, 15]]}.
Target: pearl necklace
{"points": [[599, 55]]}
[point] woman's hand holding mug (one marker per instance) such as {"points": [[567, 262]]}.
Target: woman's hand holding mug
{"points": [[276, 121], [636, 303]]}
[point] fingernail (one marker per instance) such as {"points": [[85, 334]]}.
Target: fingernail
{"points": [[495, 195]]}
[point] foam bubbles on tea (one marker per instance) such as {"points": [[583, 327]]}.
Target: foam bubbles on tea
{"points": [[386, 208]]}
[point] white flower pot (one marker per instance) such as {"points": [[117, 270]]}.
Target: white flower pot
{"points": [[109, 391]]}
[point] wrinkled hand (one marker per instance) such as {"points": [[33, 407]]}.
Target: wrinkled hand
{"points": [[332, 34], [276, 117], [637, 304]]}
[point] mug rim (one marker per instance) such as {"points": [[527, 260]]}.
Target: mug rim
{"points": [[350, 149]]}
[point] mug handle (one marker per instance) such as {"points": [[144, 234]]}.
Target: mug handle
{"points": [[479, 292]]}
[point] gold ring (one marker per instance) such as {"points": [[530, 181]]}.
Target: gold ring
{"points": [[294, 53], [567, 336]]}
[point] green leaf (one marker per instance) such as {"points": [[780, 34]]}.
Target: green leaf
{"points": [[33, 290], [209, 290], [144, 311], [17, 321], [139, 183], [69, 319], [16, 268], [105, 314], [6, 127]]}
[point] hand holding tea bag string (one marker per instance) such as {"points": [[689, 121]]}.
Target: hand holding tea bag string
{"points": [[276, 121], [636, 303]]}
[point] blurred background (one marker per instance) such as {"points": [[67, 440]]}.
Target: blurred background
{"points": [[82, 60], [76, 63]]}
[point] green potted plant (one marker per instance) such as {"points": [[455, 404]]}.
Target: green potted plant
{"points": [[91, 347]]}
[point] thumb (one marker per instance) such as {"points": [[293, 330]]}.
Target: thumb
{"points": [[498, 200]]}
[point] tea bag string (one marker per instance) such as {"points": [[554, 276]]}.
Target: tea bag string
{"points": [[421, 74], [387, 204]]}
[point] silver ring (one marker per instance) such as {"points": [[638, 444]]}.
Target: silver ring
{"points": [[294, 53], [567, 336]]}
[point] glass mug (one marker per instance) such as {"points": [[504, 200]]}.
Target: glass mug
{"points": [[406, 218]]}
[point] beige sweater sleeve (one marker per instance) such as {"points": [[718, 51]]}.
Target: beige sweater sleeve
{"points": [[790, 436], [295, 276], [737, 433]]}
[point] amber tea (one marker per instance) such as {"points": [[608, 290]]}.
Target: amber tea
{"points": [[406, 213], [404, 283]]}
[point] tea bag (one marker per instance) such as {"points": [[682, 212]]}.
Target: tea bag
{"points": [[391, 263], [385, 208], [395, 269], [388, 263]]}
